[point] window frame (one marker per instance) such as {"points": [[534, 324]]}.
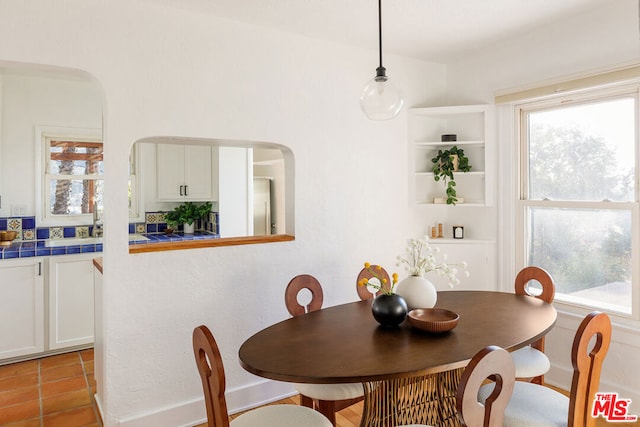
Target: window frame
{"points": [[43, 135], [523, 204]]}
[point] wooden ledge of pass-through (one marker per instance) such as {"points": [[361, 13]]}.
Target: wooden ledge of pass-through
{"points": [[208, 243], [97, 263]]}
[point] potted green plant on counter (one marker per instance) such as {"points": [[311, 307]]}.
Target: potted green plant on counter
{"points": [[172, 222], [445, 163], [187, 214]]}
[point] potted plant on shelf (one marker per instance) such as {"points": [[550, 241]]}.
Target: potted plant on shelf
{"points": [[187, 214], [445, 163]]}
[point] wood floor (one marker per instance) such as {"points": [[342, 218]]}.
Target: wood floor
{"points": [[350, 417], [57, 391]]}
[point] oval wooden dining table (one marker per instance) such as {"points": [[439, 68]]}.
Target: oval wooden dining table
{"points": [[409, 376]]}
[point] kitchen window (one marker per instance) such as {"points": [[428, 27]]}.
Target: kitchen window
{"points": [[72, 177], [578, 204]]}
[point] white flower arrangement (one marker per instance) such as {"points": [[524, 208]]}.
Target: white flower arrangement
{"points": [[419, 259]]}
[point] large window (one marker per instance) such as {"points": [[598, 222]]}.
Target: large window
{"points": [[578, 205]]}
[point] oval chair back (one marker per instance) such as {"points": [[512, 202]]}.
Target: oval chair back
{"points": [[587, 366], [297, 284], [211, 372], [548, 292], [491, 362], [541, 276], [365, 273]]}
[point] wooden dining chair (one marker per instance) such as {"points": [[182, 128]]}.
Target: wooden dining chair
{"points": [[492, 363], [537, 405], [365, 273], [531, 361], [211, 369], [295, 286], [325, 398]]}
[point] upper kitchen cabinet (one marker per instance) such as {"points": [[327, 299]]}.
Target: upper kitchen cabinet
{"points": [[471, 125], [185, 172]]}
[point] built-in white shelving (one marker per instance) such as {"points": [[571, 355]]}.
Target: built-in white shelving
{"points": [[471, 125]]}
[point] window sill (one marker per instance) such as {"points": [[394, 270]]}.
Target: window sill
{"points": [[626, 330], [569, 310]]}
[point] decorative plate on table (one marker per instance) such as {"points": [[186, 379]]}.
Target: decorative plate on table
{"points": [[433, 319]]}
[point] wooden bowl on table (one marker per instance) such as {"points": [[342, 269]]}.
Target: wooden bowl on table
{"points": [[433, 319]]}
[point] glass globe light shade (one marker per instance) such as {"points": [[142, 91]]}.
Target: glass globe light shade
{"points": [[380, 99]]}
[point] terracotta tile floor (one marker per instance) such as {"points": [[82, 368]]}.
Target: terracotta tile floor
{"points": [[55, 391]]}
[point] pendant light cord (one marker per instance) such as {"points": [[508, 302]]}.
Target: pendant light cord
{"points": [[380, 30]]}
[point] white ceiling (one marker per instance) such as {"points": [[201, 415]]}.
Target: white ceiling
{"points": [[432, 30]]}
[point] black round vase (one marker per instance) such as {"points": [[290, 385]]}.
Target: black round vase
{"points": [[389, 310]]}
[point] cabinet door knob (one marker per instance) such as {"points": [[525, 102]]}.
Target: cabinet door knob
{"points": [[186, 193]]}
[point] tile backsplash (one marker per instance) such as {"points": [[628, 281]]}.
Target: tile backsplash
{"points": [[155, 222], [27, 231]]}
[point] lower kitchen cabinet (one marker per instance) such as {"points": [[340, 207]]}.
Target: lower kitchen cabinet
{"points": [[70, 300], [21, 307]]}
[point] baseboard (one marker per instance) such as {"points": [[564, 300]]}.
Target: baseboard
{"points": [[191, 413], [257, 394], [185, 414], [99, 406]]}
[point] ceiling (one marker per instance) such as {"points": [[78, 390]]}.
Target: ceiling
{"points": [[432, 30]]}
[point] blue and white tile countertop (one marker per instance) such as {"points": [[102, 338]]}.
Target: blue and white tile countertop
{"points": [[24, 249], [34, 241]]}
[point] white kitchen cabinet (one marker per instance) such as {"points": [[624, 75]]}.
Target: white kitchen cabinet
{"points": [[184, 172], [71, 304], [471, 124], [21, 307]]}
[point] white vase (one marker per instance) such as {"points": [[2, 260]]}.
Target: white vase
{"points": [[417, 291], [189, 229]]}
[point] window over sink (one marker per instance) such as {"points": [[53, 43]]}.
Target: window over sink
{"points": [[71, 169]]}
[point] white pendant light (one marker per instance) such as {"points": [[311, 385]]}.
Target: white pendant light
{"points": [[380, 99]]}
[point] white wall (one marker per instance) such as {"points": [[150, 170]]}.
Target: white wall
{"points": [[170, 72], [602, 38], [28, 101]]}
